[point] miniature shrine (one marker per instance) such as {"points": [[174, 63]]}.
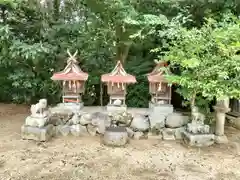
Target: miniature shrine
{"points": [[158, 86], [116, 82], [160, 90], [73, 81]]}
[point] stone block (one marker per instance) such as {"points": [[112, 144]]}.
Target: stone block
{"points": [[198, 128], [36, 121], [157, 121], [175, 120], [111, 108], [78, 130], [198, 140], [92, 130], [221, 139], [178, 133], [37, 134], [168, 134], [63, 130], [164, 109]]}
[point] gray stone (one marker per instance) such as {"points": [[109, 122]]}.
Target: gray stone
{"points": [[140, 123], [221, 139], [85, 119], [63, 130], [92, 130], [161, 108], [198, 128], [138, 135], [78, 130], [37, 134], [121, 117], [75, 119], [115, 136], [176, 120], [60, 115], [178, 133], [117, 102], [36, 121], [198, 140], [234, 121], [168, 134], [130, 132], [111, 108], [157, 121], [101, 121]]}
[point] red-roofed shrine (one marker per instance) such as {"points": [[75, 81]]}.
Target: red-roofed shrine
{"points": [[158, 85], [116, 82], [73, 80]]}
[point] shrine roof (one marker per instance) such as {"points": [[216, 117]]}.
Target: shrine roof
{"points": [[71, 72], [118, 75], [157, 75]]}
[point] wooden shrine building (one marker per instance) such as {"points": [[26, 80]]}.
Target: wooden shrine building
{"points": [[158, 86], [73, 81], [117, 82]]}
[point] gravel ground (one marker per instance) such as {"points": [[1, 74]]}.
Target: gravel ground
{"points": [[85, 158]]}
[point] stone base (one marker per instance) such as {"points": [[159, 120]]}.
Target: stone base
{"points": [[37, 134], [221, 139], [74, 107], [111, 108], [198, 140], [163, 109]]}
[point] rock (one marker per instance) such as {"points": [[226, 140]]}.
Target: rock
{"points": [[160, 108], [101, 121], [198, 128], [168, 134], [198, 140], [117, 102], [154, 136], [157, 121], [78, 130], [121, 117], [176, 120], [63, 130], [85, 119], [178, 133], [140, 123], [138, 135], [115, 136], [75, 119], [130, 132], [37, 134], [36, 121], [60, 115], [92, 130], [221, 139]]}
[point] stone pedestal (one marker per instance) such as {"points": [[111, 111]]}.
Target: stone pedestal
{"points": [[115, 136], [220, 116], [37, 134], [198, 140], [74, 107], [164, 109], [112, 108]]}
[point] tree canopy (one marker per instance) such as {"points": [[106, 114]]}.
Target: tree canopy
{"points": [[200, 36]]}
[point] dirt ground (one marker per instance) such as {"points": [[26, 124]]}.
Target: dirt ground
{"points": [[84, 158]]}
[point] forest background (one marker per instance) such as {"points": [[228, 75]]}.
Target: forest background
{"points": [[34, 37]]}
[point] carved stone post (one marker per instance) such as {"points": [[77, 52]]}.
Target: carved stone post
{"points": [[221, 108]]}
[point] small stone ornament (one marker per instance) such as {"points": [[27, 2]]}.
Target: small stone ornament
{"points": [[36, 125]]}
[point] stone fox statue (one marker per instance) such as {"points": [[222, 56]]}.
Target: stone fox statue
{"points": [[37, 110], [39, 114]]}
